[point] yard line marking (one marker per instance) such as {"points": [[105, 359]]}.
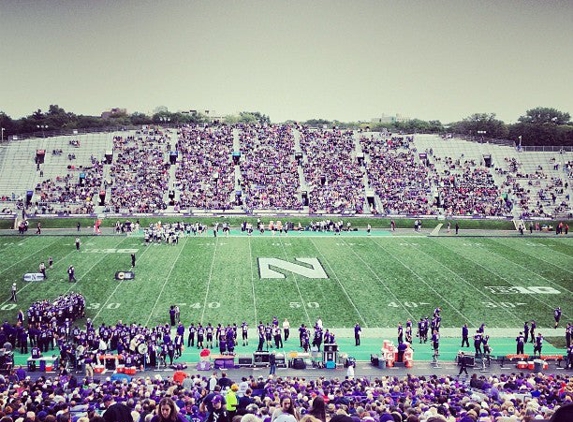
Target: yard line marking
{"points": [[383, 283], [466, 282], [165, 283], [119, 283], [70, 287], [548, 262], [424, 281], [341, 286], [209, 279], [253, 280], [297, 286], [490, 270], [10, 245], [27, 257]]}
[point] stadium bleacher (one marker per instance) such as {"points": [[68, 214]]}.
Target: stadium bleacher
{"points": [[289, 168]]}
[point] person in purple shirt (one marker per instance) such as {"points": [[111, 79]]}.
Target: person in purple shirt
{"points": [[532, 330], [465, 336], [357, 331], [200, 336]]}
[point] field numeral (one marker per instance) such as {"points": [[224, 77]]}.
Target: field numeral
{"points": [[308, 305], [210, 305], [407, 304], [109, 251], [97, 305], [8, 307], [502, 304]]}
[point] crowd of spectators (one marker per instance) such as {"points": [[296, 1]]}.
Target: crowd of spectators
{"points": [[399, 180], [269, 171], [331, 171], [205, 175], [75, 191], [536, 193], [288, 167], [140, 172], [494, 398], [471, 191]]}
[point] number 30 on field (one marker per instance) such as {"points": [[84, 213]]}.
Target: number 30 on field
{"points": [[308, 305]]}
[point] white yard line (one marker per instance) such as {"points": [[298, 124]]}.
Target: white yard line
{"points": [[362, 321], [209, 279], [165, 283], [469, 284], [534, 296], [32, 283], [253, 281], [424, 281], [297, 287], [383, 284], [120, 283], [28, 257], [541, 259]]}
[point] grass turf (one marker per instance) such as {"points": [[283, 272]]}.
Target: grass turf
{"points": [[376, 281]]}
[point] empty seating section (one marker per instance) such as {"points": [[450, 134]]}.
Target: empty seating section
{"points": [[538, 183], [284, 167]]}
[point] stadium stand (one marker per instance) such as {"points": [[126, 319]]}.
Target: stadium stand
{"points": [[285, 168]]}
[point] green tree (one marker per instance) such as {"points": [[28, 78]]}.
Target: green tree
{"points": [[57, 117], [545, 115], [138, 119], [319, 123], [10, 127], [253, 117], [482, 125]]}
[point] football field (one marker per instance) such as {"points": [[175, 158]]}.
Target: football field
{"points": [[376, 281]]}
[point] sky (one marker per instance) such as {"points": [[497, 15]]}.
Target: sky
{"points": [[350, 60]]}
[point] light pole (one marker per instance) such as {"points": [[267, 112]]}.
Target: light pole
{"points": [[165, 120], [43, 127], [482, 133]]}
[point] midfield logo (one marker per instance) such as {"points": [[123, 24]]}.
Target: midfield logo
{"points": [[312, 269]]}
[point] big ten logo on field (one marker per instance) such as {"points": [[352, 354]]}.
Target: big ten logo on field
{"points": [[309, 268], [111, 250], [531, 290]]}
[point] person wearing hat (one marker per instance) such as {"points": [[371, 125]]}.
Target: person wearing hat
{"points": [[14, 292], [206, 405], [115, 411], [231, 400], [219, 414]]}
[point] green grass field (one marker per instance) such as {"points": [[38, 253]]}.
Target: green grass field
{"points": [[376, 281]]}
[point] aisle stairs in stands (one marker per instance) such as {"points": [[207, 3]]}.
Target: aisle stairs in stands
{"points": [[18, 173]]}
